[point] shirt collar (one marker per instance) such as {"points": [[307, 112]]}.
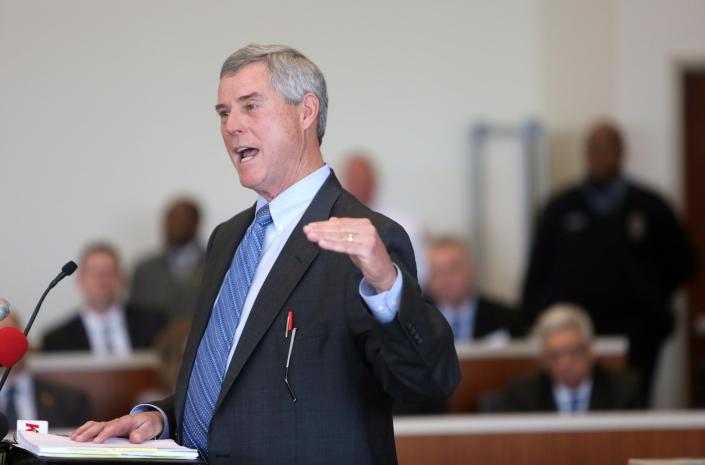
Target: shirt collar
{"points": [[582, 391], [190, 249], [293, 202], [111, 316], [467, 307]]}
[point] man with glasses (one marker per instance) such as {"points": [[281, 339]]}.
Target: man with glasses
{"points": [[570, 381]]}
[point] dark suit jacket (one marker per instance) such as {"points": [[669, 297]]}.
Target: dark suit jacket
{"points": [[611, 390], [61, 406], [493, 316], [154, 286], [345, 365], [142, 326]]}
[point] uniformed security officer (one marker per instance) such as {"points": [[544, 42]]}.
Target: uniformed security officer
{"points": [[615, 248]]}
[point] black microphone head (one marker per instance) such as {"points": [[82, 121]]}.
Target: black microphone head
{"points": [[69, 268]]}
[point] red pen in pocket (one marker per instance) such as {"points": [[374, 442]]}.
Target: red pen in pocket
{"points": [[289, 324]]}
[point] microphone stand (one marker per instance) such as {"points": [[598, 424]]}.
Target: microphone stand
{"points": [[66, 270]]}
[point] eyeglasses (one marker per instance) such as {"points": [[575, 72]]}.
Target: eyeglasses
{"points": [[572, 352]]}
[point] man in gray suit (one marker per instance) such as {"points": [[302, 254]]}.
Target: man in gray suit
{"points": [[310, 320], [169, 280]]}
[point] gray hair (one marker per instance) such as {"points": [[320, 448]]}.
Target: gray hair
{"points": [[561, 317], [290, 72]]}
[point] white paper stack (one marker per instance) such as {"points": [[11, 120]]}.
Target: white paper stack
{"points": [[51, 445]]}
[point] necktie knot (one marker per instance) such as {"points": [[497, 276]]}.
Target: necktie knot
{"points": [[263, 216]]}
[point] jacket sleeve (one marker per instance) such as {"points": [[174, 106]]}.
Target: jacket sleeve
{"points": [[413, 356]]}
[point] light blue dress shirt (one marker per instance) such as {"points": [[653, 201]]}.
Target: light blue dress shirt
{"points": [[287, 209], [461, 319], [572, 401]]}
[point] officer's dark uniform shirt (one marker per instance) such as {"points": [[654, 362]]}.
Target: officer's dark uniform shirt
{"points": [[618, 251]]}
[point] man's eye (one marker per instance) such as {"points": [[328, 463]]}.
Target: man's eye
{"points": [[250, 106], [223, 114]]}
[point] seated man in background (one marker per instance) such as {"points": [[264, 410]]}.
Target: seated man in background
{"points": [[27, 398], [103, 325], [169, 280], [570, 382], [451, 288]]}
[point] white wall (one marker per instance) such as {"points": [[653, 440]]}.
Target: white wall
{"points": [[107, 111], [578, 77]]}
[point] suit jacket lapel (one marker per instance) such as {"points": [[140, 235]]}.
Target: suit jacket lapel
{"points": [[547, 402], [480, 327], [288, 269], [219, 260], [79, 337], [598, 396]]}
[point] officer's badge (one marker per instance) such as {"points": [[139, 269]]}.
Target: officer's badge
{"points": [[636, 226], [574, 221]]}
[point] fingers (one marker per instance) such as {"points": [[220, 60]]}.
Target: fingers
{"points": [[86, 431], [350, 248], [340, 226], [118, 427], [149, 426], [359, 239], [138, 427], [346, 235]]}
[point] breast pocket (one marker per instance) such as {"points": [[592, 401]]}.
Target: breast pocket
{"points": [[304, 354]]}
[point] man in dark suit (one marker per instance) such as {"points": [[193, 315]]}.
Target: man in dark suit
{"points": [[169, 280], [316, 261], [570, 381], [103, 325], [27, 398], [451, 287], [614, 247]]}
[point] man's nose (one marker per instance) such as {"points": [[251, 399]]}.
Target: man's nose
{"points": [[233, 124]]}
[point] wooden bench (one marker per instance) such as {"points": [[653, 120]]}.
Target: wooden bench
{"points": [[599, 439]]}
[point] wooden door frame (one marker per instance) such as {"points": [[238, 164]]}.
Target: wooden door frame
{"points": [[693, 325]]}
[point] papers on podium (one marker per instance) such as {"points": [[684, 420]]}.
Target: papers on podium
{"points": [[53, 446]]}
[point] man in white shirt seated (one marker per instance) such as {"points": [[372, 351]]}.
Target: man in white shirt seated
{"points": [[25, 398], [571, 382], [452, 289], [103, 325]]}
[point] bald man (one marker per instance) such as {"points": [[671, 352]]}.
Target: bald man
{"points": [[360, 178], [615, 248], [169, 280]]}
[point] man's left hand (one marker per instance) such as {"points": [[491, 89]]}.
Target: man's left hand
{"points": [[358, 238]]}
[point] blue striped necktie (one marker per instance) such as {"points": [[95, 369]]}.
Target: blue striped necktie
{"points": [[213, 351]]}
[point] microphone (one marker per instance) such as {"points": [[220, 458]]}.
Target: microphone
{"points": [[66, 270], [13, 346], [4, 309]]}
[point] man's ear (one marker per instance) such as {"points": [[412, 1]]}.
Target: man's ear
{"points": [[310, 107]]}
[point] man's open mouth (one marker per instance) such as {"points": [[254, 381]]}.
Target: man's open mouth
{"points": [[246, 153]]}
